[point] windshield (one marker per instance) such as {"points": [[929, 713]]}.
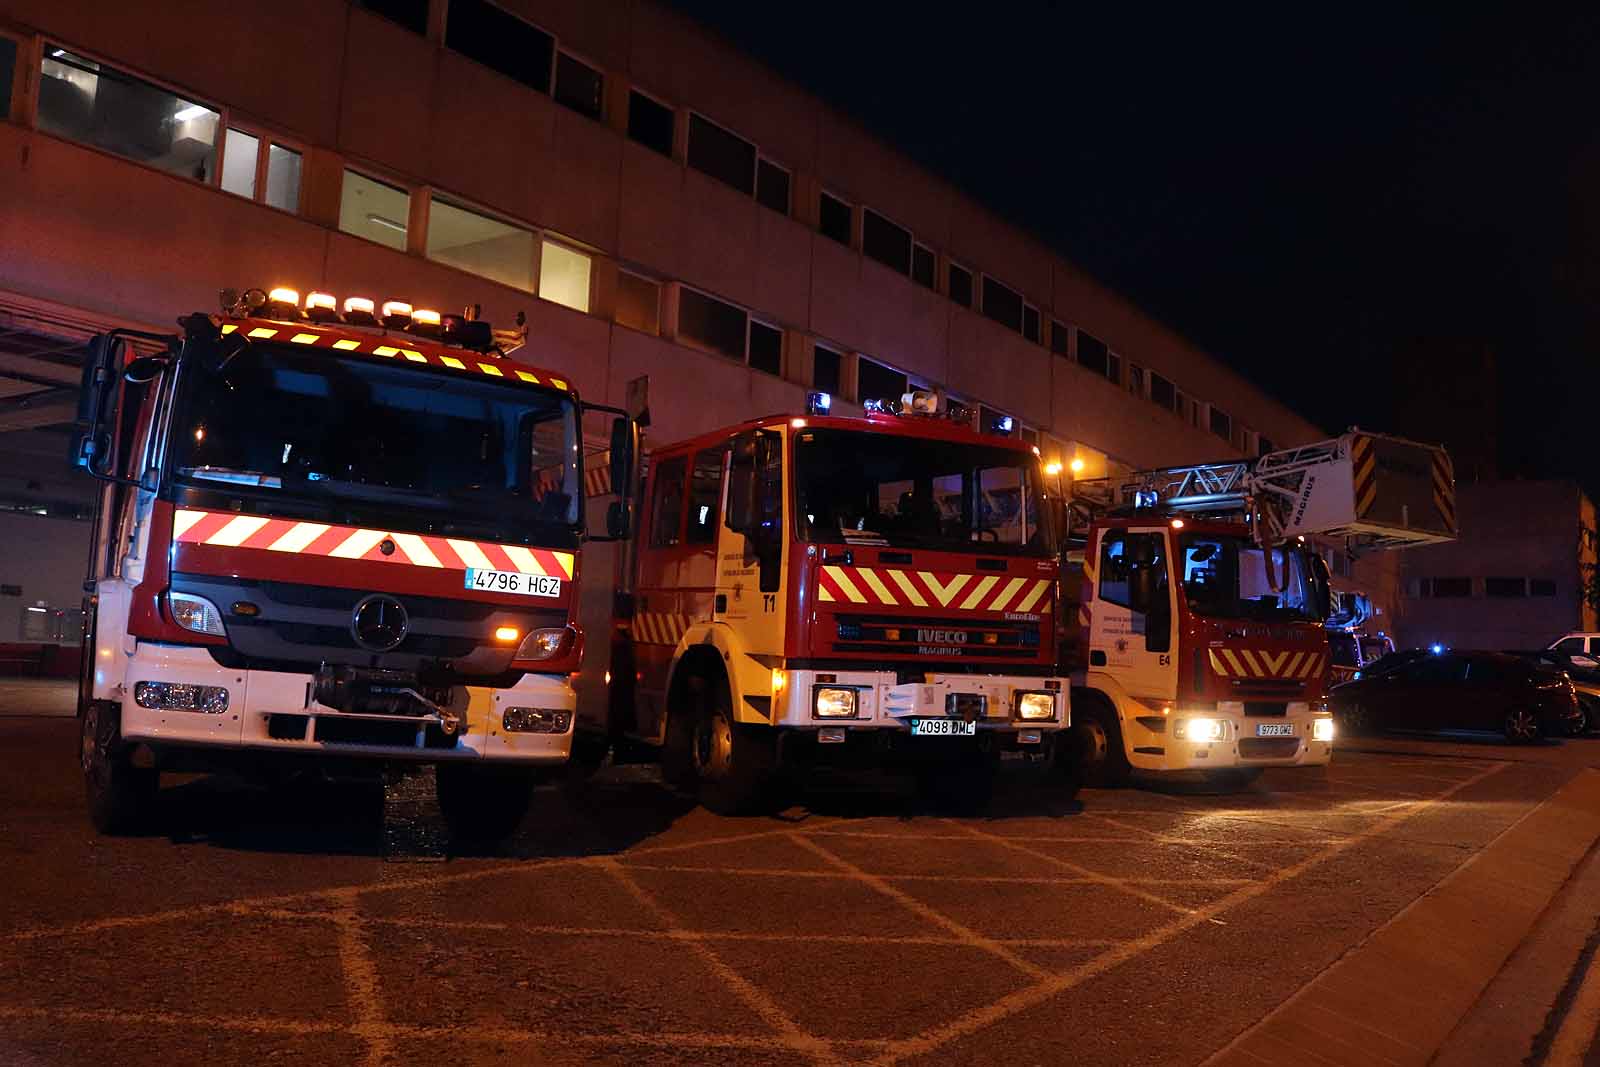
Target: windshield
{"points": [[465, 450], [1228, 577], [907, 492], [1344, 649]]}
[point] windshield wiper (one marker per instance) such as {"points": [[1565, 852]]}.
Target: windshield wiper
{"points": [[232, 476]]}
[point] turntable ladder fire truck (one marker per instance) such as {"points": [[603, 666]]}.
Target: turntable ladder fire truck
{"points": [[855, 592], [1201, 643], [330, 540]]}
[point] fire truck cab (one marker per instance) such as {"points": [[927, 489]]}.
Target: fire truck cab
{"points": [[814, 588], [326, 541]]}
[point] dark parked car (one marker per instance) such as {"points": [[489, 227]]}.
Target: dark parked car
{"points": [[1585, 680], [1461, 691]]}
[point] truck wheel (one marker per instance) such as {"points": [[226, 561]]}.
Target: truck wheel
{"points": [[1068, 769], [484, 805], [121, 796], [1103, 760], [735, 763], [1521, 726], [961, 787]]}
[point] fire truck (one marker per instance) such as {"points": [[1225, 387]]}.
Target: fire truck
{"points": [[331, 538], [1200, 642], [822, 590]]}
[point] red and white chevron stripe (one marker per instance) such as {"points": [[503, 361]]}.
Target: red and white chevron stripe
{"points": [[659, 627]]}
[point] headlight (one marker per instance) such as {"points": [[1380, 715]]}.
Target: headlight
{"points": [[1322, 730], [1036, 705], [195, 613], [1199, 729], [831, 703], [181, 696], [547, 643], [536, 720]]}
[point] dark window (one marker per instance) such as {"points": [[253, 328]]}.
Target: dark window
{"points": [[1162, 392], [1505, 587], [1135, 380], [1092, 352], [1060, 338], [638, 302], [666, 524], [1030, 323], [1264, 445], [961, 285], [1116, 567], [772, 186], [705, 494], [1447, 587], [650, 123], [710, 322], [1541, 587], [874, 381], [834, 219], [1221, 424], [1114, 367], [766, 347], [922, 265], [412, 14], [825, 369], [725, 156], [579, 86], [1435, 669], [8, 71], [500, 41], [885, 242], [1569, 646], [1001, 304]]}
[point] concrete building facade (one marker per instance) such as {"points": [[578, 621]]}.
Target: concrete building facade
{"points": [[655, 201]]}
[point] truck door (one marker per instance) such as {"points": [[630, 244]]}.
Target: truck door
{"points": [[1132, 619], [752, 550]]}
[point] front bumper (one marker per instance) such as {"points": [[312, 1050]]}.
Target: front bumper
{"points": [[1152, 745], [884, 703], [266, 709]]}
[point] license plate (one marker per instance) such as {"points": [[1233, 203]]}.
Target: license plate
{"points": [[943, 728], [1275, 729], [488, 581]]}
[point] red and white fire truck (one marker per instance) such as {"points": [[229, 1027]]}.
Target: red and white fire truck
{"points": [[1200, 643], [821, 589], [331, 536]]}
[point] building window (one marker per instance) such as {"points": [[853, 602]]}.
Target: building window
{"points": [[480, 245], [1030, 323], [766, 348], [241, 165], [650, 123], [1221, 424], [1454, 588], [564, 276], [827, 370], [283, 178], [1114, 368], [874, 381], [923, 266], [772, 186], [579, 86], [1505, 587], [1136, 379], [500, 41], [960, 284], [1002, 304], [725, 156], [1092, 353], [1541, 587], [885, 242], [1264, 445], [638, 303], [833, 219], [412, 14], [374, 210], [240, 154], [8, 74], [1162, 392], [96, 105], [712, 324], [1060, 338]]}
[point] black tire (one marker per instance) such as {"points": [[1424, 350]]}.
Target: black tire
{"points": [[1586, 709], [1354, 719], [963, 786], [1234, 778], [1521, 726], [121, 797], [484, 804], [734, 763], [1067, 771], [1099, 750]]}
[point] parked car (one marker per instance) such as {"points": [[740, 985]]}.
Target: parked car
{"points": [[1585, 681], [1524, 700], [1580, 646]]}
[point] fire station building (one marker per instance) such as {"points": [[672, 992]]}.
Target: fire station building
{"points": [[655, 202]]}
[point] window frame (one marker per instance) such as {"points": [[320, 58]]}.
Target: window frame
{"points": [[1037, 337], [911, 242], [412, 191], [688, 148], [788, 192], [972, 290], [555, 80], [983, 304], [672, 113], [555, 48], [750, 324], [658, 495], [932, 284], [839, 351], [543, 237], [701, 346], [22, 77], [849, 205], [264, 143], [656, 283]]}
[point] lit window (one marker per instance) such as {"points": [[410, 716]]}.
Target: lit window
{"points": [[723, 155], [834, 219], [638, 303], [283, 178], [564, 276], [241, 165], [100, 106], [500, 41], [649, 123], [480, 245], [766, 347], [239, 156], [772, 186], [374, 210], [579, 86], [712, 323]]}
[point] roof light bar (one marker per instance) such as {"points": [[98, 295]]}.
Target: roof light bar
{"points": [[396, 314], [283, 303], [424, 322], [358, 311], [322, 307]]}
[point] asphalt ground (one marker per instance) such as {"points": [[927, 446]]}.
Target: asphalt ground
{"points": [[299, 925]]}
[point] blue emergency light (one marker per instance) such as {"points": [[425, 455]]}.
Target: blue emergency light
{"points": [[818, 403]]}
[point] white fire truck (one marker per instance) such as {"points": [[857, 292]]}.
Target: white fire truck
{"points": [[1200, 642], [331, 537]]}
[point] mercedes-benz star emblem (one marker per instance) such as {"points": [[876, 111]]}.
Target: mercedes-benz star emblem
{"points": [[379, 623]]}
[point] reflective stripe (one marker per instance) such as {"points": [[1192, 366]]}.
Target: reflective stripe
{"points": [[999, 602], [876, 585], [908, 587]]}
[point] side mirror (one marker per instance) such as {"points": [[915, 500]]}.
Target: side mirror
{"points": [[624, 451], [91, 435], [144, 370], [619, 520]]}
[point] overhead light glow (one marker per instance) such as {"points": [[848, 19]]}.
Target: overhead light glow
{"points": [[193, 111], [1076, 465]]}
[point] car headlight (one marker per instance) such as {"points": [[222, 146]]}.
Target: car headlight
{"points": [[1322, 730], [1036, 705], [195, 613], [833, 703], [181, 696], [547, 643], [1199, 729]]}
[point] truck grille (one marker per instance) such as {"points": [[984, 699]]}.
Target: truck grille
{"points": [[1268, 747], [893, 635]]}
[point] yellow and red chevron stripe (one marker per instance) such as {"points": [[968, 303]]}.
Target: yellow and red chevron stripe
{"points": [[659, 627], [926, 589], [221, 529], [1364, 472], [1259, 663]]}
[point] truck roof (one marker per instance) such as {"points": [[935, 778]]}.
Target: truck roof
{"points": [[925, 427]]}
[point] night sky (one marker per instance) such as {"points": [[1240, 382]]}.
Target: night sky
{"points": [[1315, 196]]}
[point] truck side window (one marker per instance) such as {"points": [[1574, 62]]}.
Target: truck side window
{"points": [[705, 495], [1114, 570], [666, 505]]}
